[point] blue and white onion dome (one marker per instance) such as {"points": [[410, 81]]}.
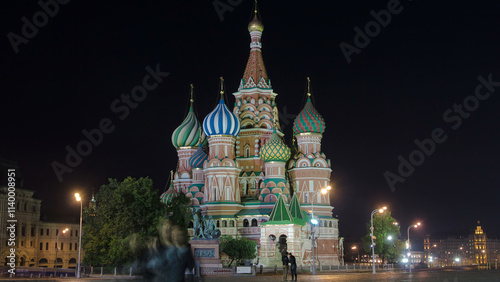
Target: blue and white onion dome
{"points": [[221, 121], [198, 158], [189, 132]]}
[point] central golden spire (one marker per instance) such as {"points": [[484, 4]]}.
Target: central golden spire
{"points": [[255, 24]]}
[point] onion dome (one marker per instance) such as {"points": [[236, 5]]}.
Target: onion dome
{"points": [[275, 150], [221, 121], [198, 158], [188, 133], [309, 120], [255, 25], [168, 195]]}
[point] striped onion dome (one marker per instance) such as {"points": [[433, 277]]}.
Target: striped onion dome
{"points": [[275, 150], [198, 158], [309, 120], [168, 195], [221, 121], [188, 133]]}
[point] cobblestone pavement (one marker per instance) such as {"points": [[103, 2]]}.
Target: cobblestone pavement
{"points": [[427, 275]]}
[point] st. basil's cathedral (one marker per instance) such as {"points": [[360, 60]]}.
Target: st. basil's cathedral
{"points": [[236, 168]]}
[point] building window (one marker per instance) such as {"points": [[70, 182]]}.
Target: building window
{"points": [[23, 230], [71, 233], [70, 245], [254, 222], [231, 223], [245, 222], [57, 232], [41, 246], [62, 246], [76, 233], [47, 233], [31, 243], [25, 206], [22, 243], [224, 223], [46, 246], [32, 231], [41, 231], [76, 246], [56, 245]]}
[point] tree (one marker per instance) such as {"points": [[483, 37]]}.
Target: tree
{"points": [[123, 208], [178, 211], [384, 226], [238, 249]]}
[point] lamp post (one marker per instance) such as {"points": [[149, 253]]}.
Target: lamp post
{"points": [[409, 245], [79, 199], [381, 210], [314, 222], [57, 247], [356, 248]]}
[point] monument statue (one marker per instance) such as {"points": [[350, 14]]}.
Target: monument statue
{"points": [[211, 230], [197, 224]]}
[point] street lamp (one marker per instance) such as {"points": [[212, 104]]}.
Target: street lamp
{"points": [[57, 247], [381, 210], [314, 221], [389, 238], [79, 199], [408, 243], [356, 248]]}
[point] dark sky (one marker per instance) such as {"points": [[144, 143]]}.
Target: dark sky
{"points": [[425, 60]]}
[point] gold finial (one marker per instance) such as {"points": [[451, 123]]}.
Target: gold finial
{"points": [[221, 86], [171, 176], [191, 99], [308, 87], [255, 9]]}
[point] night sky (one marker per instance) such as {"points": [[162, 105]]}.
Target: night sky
{"points": [[402, 86]]}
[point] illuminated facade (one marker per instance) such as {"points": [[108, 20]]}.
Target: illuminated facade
{"points": [[474, 248], [35, 240], [236, 168]]}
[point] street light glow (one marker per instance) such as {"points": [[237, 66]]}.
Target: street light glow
{"points": [[353, 248], [324, 191], [78, 198], [389, 237], [457, 259], [314, 221]]}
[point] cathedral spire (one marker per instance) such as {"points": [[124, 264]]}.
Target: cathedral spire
{"points": [[255, 72]]}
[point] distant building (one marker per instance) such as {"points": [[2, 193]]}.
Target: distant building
{"points": [[470, 248], [35, 240]]}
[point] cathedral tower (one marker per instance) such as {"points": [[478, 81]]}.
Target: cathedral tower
{"points": [[186, 138], [222, 195]]}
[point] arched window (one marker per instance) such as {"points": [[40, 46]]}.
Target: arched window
{"points": [[326, 223], [254, 222], [330, 224], [247, 151], [245, 222], [224, 223], [72, 260], [218, 223], [231, 223]]}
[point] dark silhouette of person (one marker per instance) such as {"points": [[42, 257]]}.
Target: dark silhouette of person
{"points": [[284, 258], [293, 266]]}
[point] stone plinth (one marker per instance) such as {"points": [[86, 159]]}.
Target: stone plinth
{"points": [[206, 252]]}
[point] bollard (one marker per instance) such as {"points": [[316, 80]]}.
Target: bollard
{"points": [[130, 271], [275, 268], [330, 267], [338, 267], [31, 276], [66, 275], [261, 269], [61, 276], [102, 270], [346, 266], [91, 270], [51, 275], [300, 268], [115, 271], [39, 275]]}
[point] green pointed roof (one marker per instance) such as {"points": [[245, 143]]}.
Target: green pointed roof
{"points": [[295, 209], [280, 213]]}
